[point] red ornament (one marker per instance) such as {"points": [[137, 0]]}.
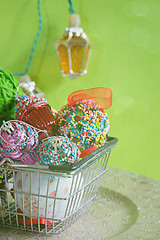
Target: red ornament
{"points": [[37, 112]]}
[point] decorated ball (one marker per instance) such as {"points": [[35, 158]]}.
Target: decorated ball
{"points": [[51, 187], [27, 103], [56, 150], [17, 138], [85, 123], [37, 112]]}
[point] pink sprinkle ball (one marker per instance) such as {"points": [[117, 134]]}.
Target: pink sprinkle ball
{"points": [[85, 123], [16, 139]]}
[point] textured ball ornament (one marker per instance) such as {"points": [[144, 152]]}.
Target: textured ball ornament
{"points": [[37, 112], [56, 150], [8, 88], [85, 123], [18, 139]]}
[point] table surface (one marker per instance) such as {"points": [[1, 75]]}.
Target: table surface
{"points": [[128, 207]]}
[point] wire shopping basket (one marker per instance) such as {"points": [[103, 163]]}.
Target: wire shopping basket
{"points": [[49, 199]]}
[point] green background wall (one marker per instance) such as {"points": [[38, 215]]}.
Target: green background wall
{"points": [[125, 57]]}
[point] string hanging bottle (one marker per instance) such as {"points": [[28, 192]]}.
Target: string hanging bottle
{"points": [[73, 48]]}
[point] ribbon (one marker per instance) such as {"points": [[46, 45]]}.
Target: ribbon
{"points": [[34, 221], [100, 95], [87, 151]]}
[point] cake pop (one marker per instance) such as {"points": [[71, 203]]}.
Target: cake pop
{"points": [[37, 112], [56, 150], [18, 141], [84, 123], [83, 119]]}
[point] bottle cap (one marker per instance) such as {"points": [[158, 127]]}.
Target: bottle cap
{"points": [[74, 20]]}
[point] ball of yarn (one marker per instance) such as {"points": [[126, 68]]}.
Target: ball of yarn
{"points": [[8, 88]]}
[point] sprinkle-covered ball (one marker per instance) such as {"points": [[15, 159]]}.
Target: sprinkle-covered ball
{"points": [[37, 112], [16, 138], [56, 150], [85, 123], [26, 103]]}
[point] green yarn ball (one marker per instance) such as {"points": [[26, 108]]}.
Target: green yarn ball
{"points": [[8, 88]]}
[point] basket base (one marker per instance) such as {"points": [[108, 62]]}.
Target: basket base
{"points": [[20, 222]]}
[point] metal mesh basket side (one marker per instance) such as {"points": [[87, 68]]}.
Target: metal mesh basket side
{"points": [[47, 201]]}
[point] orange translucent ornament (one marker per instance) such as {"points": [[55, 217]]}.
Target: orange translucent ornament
{"points": [[73, 49]]}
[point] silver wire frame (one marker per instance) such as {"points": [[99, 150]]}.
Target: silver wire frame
{"points": [[83, 188]]}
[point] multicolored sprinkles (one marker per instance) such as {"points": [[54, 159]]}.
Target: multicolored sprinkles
{"points": [[17, 138], [56, 150], [85, 123], [24, 103]]}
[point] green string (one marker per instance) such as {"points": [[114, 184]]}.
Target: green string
{"points": [[34, 43], [71, 9]]}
